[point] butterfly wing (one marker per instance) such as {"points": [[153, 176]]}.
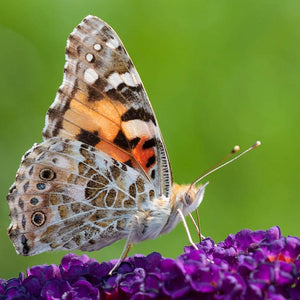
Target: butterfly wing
{"points": [[101, 171], [102, 102], [67, 196]]}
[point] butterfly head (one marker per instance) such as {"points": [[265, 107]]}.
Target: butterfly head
{"points": [[188, 197]]}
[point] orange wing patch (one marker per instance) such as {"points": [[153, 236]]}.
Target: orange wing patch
{"points": [[145, 155], [99, 117], [98, 123]]}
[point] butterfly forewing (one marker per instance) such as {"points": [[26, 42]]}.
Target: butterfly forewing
{"points": [[102, 102]]}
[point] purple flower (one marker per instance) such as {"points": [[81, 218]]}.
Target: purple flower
{"points": [[248, 265]]}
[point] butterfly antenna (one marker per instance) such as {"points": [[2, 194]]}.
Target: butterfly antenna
{"points": [[220, 164]]}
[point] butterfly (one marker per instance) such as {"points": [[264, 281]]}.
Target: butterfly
{"points": [[102, 172]]}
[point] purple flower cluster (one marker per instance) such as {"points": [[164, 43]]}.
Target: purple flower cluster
{"points": [[247, 265]]}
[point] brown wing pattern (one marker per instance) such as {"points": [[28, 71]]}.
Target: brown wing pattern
{"points": [[102, 102], [68, 197]]}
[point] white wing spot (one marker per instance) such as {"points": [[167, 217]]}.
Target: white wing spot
{"points": [[128, 79], [112, 43], [97, 47], [90, 76], [114, 80], [135, 75], [136, 128], [89, 57]]}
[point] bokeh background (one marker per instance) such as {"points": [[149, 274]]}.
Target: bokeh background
{"points": [[218, 73]]}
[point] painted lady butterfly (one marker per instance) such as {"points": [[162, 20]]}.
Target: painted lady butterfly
{"points": [[102, 172]]}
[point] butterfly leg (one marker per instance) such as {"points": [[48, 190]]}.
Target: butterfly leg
{"points": [[186, 228], [201, 237], [123, 255], [127, 250]]}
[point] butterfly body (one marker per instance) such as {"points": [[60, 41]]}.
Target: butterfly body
{"points": [[102, 172]]}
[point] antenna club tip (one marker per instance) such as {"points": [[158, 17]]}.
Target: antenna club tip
{"points": [[258, 143], [236, 148]]}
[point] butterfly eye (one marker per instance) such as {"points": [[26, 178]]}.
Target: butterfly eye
{"points": [[47, 174], [38, 218], [187, 199]]}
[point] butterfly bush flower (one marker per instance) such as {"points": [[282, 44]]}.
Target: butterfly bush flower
{"points": [[247, 265]]}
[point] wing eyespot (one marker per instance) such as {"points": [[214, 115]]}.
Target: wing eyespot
{"points": [[41, 186], [34, 201], [47, 174], [38, 218]]}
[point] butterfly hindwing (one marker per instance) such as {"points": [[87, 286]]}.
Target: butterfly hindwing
{"points": [[102, 102], [67, 197]]}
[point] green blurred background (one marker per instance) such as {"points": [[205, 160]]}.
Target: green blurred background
{"points": [[218, 73]]}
